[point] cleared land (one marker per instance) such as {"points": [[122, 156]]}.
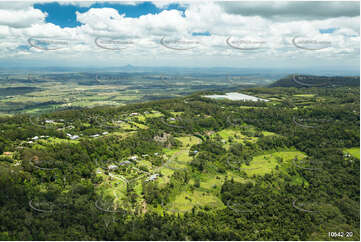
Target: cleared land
{"points": [[355, 152]]}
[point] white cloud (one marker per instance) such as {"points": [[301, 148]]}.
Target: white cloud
{"points": [[21, 18], [146, 31]]}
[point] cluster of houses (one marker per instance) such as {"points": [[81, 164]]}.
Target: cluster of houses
{"points": [[49, 121], [35, 138], [130, 160], [127, 162], [114, 167], [41, 137]]}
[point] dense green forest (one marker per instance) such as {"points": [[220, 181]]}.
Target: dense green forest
{"points": [[190, 168]]}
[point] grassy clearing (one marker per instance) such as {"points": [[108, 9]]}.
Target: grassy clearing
{"points": [[266, 133], [263, 164], [141, 126], [183, 156], [355, 152], [212, 182], [54, 140], [235, 177], [122, 134], [176, 113], [235, 135], [185, 201], [304, 95], [153, 115], [167, 173], [111, 187], [178, 158], [249, 107], [188, 141], [144, 163]]}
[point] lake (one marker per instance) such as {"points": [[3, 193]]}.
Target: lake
{"points": [[235, 96]]}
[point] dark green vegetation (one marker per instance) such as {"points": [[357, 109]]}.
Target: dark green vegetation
{"points": [[321, 81], [228, 170]]}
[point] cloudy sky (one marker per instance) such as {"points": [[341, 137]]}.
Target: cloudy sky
{"points": [[202, 34]]}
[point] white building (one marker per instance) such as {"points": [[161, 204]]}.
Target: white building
{"points": [[73, 137], [152, 177], [112, 167]]}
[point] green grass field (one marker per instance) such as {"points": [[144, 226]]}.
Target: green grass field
{"points": [[263, 164], [266, 133], [188, 141], [185, 201], [304, 95], [236, 135], [355, 152]]}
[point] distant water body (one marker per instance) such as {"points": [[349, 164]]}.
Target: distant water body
{"points": [[235, 96]]}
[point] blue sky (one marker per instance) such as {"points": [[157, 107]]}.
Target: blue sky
{"points": [[229, 34], [64, 15]]}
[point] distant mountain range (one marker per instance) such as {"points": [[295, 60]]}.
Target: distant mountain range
{"points": [[270, 72]]}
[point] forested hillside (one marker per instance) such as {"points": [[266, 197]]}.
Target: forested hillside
{"points": [[317, 81], [189, 168]]}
